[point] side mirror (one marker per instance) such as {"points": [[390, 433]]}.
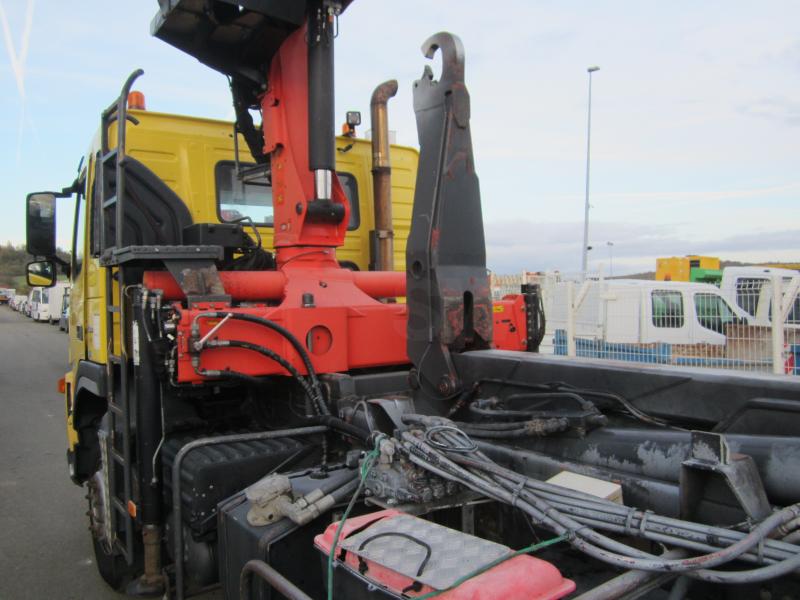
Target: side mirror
{"points": [[41, 224], [41, 273]]}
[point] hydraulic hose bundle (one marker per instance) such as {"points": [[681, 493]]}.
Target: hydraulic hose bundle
{"points": [[311, 387], [578, 516]]}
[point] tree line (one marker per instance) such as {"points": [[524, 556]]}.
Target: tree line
{"points": [[12, 266]]}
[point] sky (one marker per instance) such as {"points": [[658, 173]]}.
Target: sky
{"points": [[695, 140]]}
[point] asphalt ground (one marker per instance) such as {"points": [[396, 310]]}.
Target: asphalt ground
{"points": [[45, 547]]}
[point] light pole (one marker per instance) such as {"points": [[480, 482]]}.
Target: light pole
{"points": [[585, 254], [610, 258]]}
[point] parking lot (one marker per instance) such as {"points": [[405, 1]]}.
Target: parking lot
{"points": [[45, 548]]}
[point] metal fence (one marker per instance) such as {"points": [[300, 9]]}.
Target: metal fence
{"points": [[671, 323]]}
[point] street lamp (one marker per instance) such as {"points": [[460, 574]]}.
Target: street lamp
{"points": [[585, 254], [610, 258]]}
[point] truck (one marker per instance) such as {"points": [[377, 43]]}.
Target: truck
{"points": [[703, 269], [750, 288], [262, 416]]}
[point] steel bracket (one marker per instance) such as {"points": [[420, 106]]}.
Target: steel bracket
{"points": [[711, 458]]}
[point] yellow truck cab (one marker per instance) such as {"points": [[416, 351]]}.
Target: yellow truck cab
{"points": [[197, 159]]}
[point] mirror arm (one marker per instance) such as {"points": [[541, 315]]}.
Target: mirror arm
{"points": [[67, 192], [64, 264]]}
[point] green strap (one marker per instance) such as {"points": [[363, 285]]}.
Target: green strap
{"points": [[366, 467], [527, 550]]}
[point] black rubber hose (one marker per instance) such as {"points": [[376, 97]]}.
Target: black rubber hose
{"points": [[405, 536], [535, 428], [264, 351], [503, 426], [337, 424], [494, 413], [289, 336], [228, 374]]}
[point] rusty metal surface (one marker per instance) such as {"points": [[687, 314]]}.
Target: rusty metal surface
{"points": [[198, 279], [711, 458], [382, 174], [448, 289]]}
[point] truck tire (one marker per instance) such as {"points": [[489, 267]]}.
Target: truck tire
{"points": [[111, 566]]}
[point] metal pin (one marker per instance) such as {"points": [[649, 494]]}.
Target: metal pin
{"points": [[199, 344]]}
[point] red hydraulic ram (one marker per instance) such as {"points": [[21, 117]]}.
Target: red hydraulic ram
{"points": [[251, 286]]}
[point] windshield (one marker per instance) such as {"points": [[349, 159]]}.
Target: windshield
{"points": [[251, 196], [239, 199]]}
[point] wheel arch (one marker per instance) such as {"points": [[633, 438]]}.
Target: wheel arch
{"points": [[86, 409]]}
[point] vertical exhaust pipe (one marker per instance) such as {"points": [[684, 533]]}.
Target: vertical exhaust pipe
{"points": [[382, 175]]}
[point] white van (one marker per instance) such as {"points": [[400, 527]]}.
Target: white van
{"points": [[34, 299], [632, 311], [52, 302], [750, 288]]}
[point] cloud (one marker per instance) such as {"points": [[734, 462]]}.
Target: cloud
{"points": [[18, 60], [514, 246], [18, 64], [692, 196], [781, 110]]}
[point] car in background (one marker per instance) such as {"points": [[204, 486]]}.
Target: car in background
{"points": [[16, 302]]}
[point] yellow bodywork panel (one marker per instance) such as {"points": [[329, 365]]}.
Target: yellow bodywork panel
{"points": [[184, 152]]}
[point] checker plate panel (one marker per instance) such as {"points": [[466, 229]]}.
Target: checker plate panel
{"points": [[453, 554]]}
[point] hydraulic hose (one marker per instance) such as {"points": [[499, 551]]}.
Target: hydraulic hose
{"points": [[264, 351], [340, 426], [282, 331], [517, 429], [596, 545], [571, 500]]}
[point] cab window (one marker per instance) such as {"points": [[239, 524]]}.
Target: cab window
{"points": [[79, 235], [713, 312], [748, 291], [667, 309], [251, 196]]}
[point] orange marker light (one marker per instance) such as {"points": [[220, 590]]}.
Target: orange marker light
{"points": [[136, 100], [62, 385], [131, 509]]}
